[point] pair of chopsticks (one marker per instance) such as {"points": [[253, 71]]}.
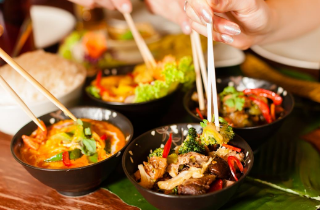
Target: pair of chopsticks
{"points": [[35, 83], [208, 80], [143, 48]]}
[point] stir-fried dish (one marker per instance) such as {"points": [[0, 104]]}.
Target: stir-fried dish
{"points": [[250, 107], [144, 84], [202, 163], [69, 144]]}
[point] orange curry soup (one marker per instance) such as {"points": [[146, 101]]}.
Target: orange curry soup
{"points": [[108, 140]]}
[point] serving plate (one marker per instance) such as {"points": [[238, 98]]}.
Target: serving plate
{"points": [[50, 25], [302, 52]]}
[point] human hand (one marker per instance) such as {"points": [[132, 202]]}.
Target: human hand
{"points": [[237, 23], [171, 10], [123, 6]]}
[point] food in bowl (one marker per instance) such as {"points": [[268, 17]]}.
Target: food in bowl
{"points": [[144, 84], [203, 163], [69, 144], [247, 108]]}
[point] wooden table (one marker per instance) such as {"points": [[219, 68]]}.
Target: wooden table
{"points": [[19, 190]]}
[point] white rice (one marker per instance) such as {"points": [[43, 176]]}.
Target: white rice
{"points": [[58, 75]]}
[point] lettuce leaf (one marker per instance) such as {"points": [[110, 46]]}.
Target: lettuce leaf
{"points": [[175, 73]]}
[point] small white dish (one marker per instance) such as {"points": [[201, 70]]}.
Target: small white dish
{"points": [[302, 52], [50, 25]]}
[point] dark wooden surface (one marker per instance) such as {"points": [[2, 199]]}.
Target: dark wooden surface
{"points": [[19, 190]]}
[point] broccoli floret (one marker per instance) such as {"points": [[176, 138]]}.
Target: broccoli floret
{"points": [[157, 153], [226, 132], [191, 144]]}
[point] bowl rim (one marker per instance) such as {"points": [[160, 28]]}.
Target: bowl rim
{"points": [[188, 95], [181, 196], [15, 139], [131, 104]]}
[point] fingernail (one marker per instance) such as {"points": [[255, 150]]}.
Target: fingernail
{"points": [[206, 16], [186, 28], [203, 21], [125, 8], [232, 29], [227, 39]]}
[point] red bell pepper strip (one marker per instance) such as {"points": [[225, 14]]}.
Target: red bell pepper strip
{"points": [[217, 185], [277, 100], [167, 147], [232, 147], [263, 107], [199, 113], [100, 87], [66, 159], [103, 137], [231, 161]]}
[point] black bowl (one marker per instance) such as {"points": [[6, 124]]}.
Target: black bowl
{"points": [[137, 112], [255, 135], [139, 149], [82, 180]]}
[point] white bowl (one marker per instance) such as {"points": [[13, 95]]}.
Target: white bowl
{"points": [[13, 117]]}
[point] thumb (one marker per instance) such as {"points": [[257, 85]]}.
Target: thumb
{"points": [[124, 6]]}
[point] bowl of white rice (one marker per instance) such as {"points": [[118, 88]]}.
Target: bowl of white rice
{"points": [[63, 78]]}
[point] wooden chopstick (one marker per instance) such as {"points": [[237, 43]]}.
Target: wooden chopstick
{"points": [[201, 59], [212, 86], [25, 108], [35, 83], [197, 70], [143, 48]]}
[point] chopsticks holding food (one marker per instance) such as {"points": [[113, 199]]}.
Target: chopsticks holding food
{"points": [[212, 87], [196, 59], [143, 48], [25, 108], [35, 83]]}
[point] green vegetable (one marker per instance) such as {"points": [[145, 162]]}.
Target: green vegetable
{"points": [[192, 144], [172, 158], [126, 36], [93, 158], [234, 100], [174, 74], [54, 158], [69, 42], [148, 92], [156, 153], [74, 154], [64, 137], [94, 91], [226, 131], [87, 131], [175, 191], [88, 147], [211, 136]]}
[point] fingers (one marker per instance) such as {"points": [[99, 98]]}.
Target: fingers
{"points": [[241, 41], [106, 4], [123, 6], [87, 3]]}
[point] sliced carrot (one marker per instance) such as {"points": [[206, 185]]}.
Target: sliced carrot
{"points": [[273, 111], [232, 147]]}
